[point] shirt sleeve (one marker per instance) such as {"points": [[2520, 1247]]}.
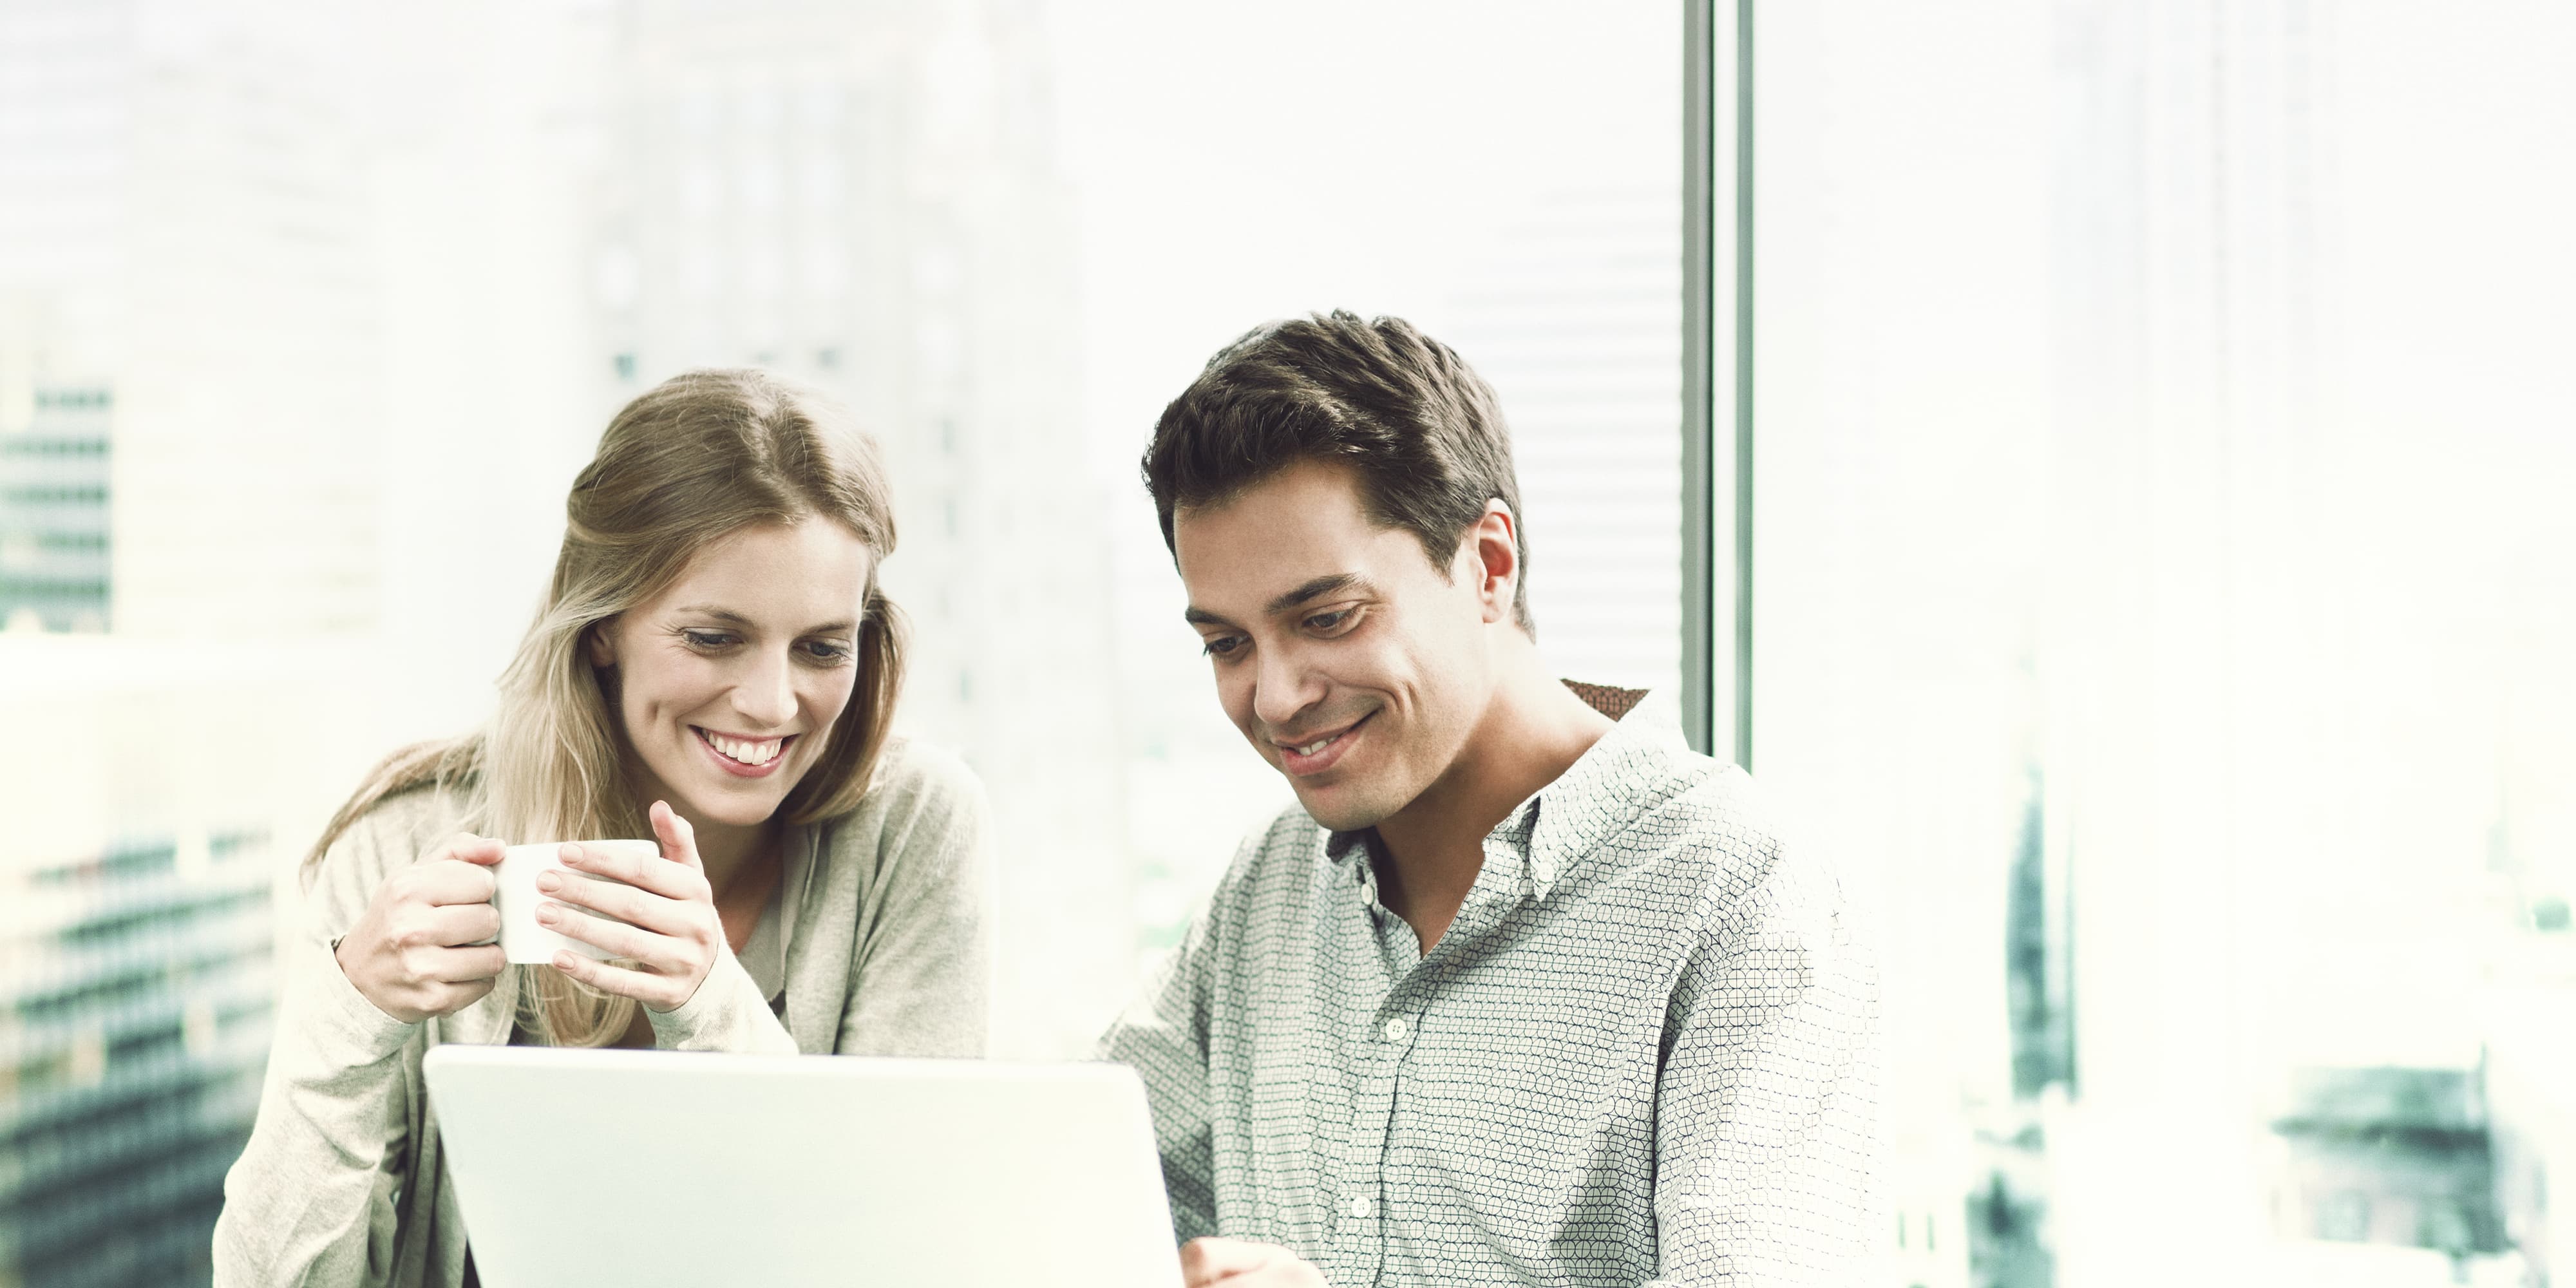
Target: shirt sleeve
{"points": [[922, 971], [1163, 1036], [1766, 1113], [312, 1198]]}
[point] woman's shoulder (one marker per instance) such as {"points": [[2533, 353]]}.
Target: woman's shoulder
{"points": [[911, 774], [397, 828], [387, 834], [921, 794]]}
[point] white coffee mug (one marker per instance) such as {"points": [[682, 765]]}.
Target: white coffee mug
{"points": [[523, 940]]}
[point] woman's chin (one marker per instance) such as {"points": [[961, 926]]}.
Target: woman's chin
{"points": [[747, 806]]}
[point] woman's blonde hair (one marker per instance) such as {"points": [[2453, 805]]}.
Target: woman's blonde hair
{"points": [[700, 456]]}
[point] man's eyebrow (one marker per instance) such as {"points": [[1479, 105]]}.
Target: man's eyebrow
{"points": [[1330, 583]]}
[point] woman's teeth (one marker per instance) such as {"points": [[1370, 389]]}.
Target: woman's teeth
{"points": [[749, 753]]}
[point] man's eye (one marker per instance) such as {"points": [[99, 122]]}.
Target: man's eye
{"points": [[1330, 623], [1222, 646]]}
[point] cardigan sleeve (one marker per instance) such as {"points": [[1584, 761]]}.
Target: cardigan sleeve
{"points": [[312, 1198]]}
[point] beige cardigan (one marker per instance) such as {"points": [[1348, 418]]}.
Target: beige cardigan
{"points": [[886, 919]]}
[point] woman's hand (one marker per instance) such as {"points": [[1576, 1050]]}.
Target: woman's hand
{"points": [[422, 946], [672, 933]]}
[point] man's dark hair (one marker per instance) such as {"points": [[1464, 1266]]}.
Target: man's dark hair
{"points": [[1420, 428]]}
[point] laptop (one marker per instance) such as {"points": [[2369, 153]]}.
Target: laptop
{"points": [[576, 1168]]}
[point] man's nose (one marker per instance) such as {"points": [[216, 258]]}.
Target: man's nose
{"points": [[1282, 686]]}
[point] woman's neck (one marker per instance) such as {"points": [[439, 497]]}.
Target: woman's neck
{"points": [[728, 850]]}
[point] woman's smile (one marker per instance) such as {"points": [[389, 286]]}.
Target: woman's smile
{"points": [[744, 757]]}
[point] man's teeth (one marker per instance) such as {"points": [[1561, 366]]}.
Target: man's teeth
{"points": [[749, 753], [1317, 745]]}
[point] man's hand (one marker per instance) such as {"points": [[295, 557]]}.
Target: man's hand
{"points": [[1241, 1263]]}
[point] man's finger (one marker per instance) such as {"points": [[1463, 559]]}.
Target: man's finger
{"points": [[1205, 1261]]}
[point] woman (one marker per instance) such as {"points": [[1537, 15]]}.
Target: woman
{"points": [[714, 667]]}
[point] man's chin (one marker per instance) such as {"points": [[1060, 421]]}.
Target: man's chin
{"points": [[1339, 809]]}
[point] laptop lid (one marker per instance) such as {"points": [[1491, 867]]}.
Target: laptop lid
{"points": [[576, 1168]]}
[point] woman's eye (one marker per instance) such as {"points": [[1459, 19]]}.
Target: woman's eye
{"points": [[706, 639], [826, 651]]}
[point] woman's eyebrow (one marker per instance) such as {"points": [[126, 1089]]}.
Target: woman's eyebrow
{"points": [[720, 614], [732, 618]]}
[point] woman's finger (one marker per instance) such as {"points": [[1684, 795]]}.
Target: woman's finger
{"points": [[642, 871], [679, 838], [652, 990], [644, 908], [469, 848], [448, 882], [480, 962], [661, 952], [451, 998], [456, 924]]}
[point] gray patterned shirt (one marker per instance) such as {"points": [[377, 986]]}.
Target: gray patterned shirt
{"points": [[1645, 1050]]}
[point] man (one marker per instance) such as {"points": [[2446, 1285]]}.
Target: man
{"points": [[1520, 991]]}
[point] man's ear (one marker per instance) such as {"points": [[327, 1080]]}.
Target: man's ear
{"points": [[596, 641], [1495, 540]]}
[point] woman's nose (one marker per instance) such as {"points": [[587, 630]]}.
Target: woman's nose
{"points": [[766, 695]]}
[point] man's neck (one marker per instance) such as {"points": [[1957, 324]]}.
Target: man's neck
{"points": [[1532, 731]]}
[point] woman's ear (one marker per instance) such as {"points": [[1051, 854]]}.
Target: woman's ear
{"points": [[596, 641]]}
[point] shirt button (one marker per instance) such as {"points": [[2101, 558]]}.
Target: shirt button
{"points": [[1359, 1207], [1395, 1029]]}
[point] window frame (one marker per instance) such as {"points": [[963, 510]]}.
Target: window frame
{"points": [[1717, 377]]}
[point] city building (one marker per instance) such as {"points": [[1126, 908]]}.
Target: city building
{"points": [[144, 878], [184, 225], [54, 507], [2390, 1156]]}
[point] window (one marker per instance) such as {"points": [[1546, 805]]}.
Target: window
{"points": [[2160, 609], [1007, 235]]}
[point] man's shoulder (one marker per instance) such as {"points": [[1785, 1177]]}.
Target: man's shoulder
{"points": [[1702, 822]]}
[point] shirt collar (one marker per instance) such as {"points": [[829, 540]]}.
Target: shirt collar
{"points": [[1595, 797]]}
